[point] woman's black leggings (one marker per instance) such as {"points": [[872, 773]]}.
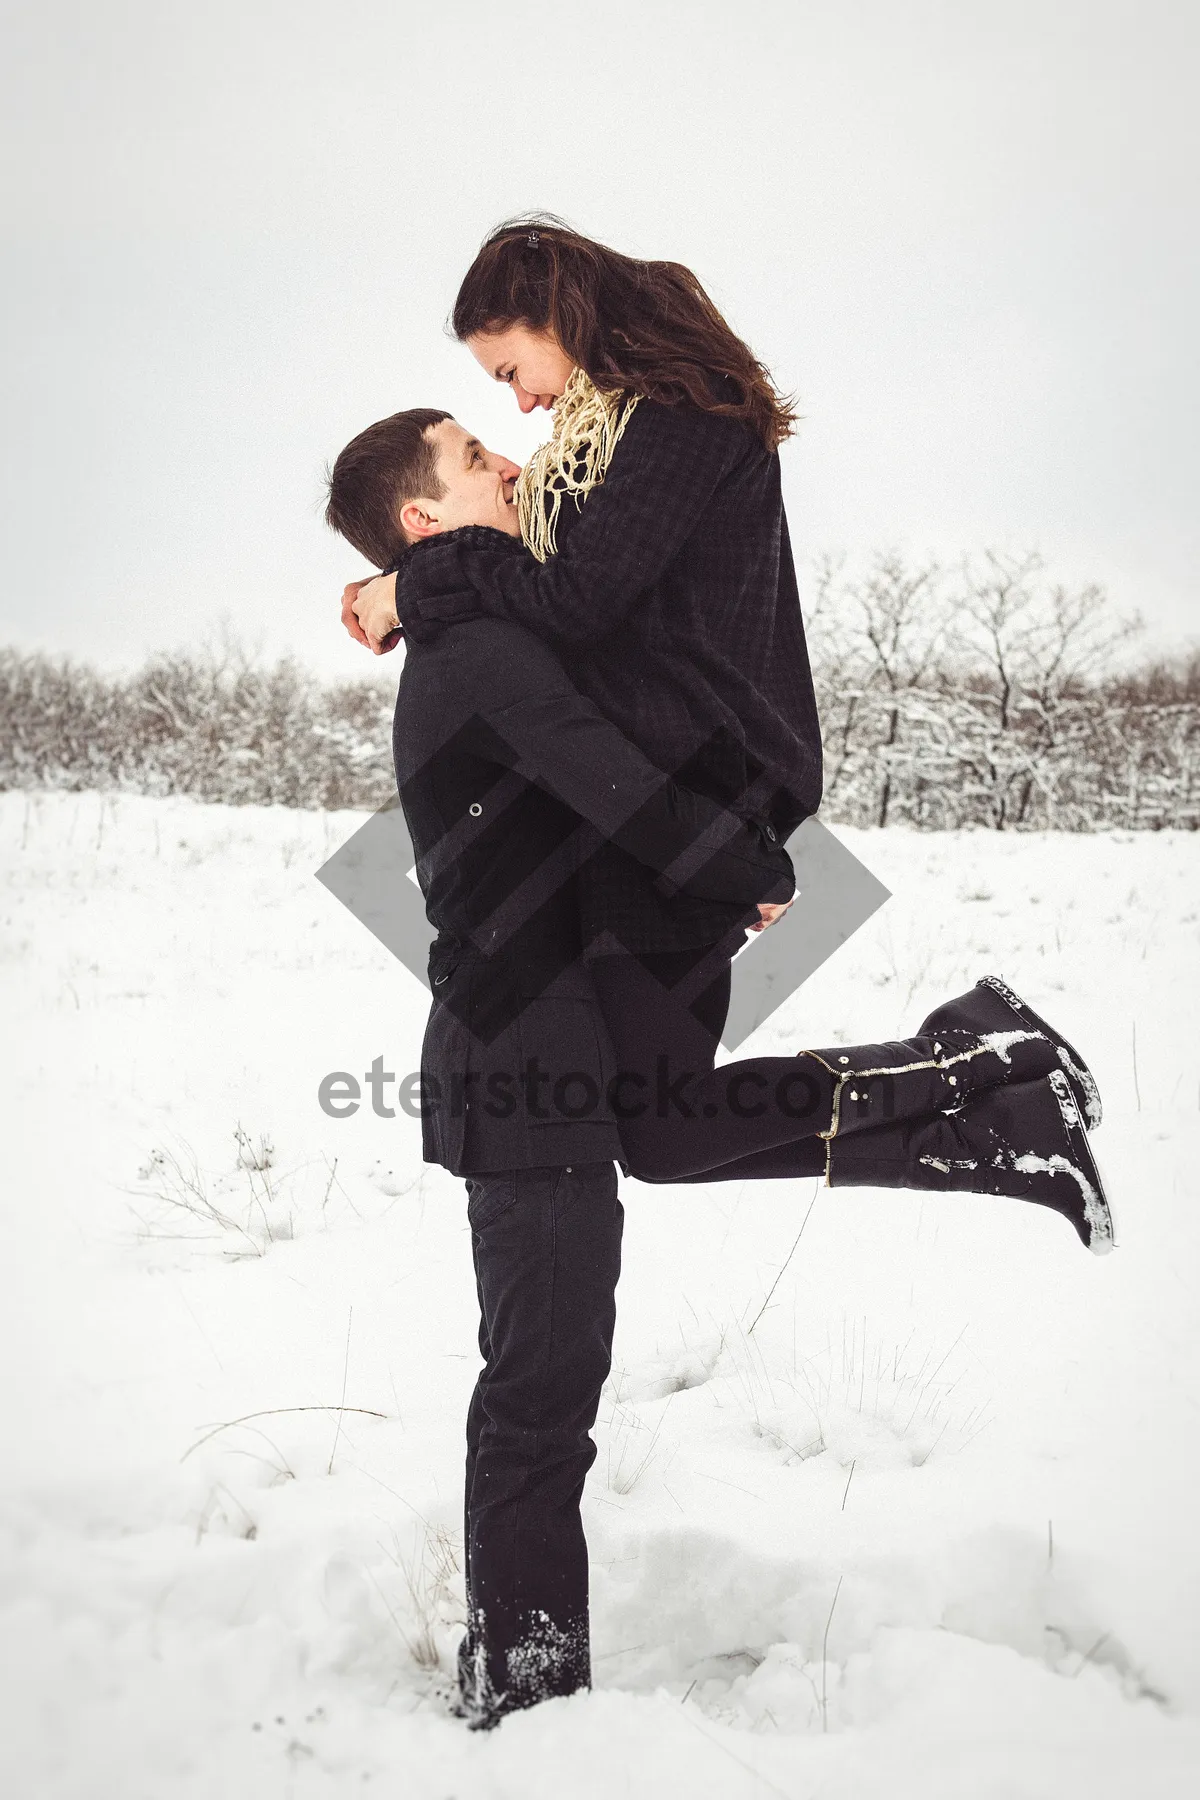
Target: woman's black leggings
{"points": [[681, 1119]]}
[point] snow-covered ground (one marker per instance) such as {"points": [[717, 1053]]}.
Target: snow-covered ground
{"points": [[924, 1525]]}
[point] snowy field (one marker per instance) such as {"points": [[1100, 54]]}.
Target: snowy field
{"points": [[922, 1525]]}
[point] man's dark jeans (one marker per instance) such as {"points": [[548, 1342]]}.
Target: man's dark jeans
{"points": [[546, 1244]]}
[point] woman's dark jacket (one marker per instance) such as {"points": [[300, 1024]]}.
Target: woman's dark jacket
{"points": [[672, 602], [512, 784]]}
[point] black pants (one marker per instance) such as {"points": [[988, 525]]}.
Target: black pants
{"points": [[546, 1244], [682, 1119]]}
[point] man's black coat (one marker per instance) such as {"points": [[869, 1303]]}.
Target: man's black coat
{"points": [[512, 783]]}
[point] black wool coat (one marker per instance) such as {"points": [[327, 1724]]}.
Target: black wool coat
{"points": [[513, 784], [672, 602]]}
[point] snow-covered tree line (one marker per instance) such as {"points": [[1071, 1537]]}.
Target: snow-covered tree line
{"points": [[979, 695], [988, 695], [211, 724]]}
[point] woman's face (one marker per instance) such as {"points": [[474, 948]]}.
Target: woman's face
{"points": [[533, 363]]}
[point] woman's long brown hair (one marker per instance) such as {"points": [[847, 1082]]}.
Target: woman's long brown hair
{"points": [[641, 327]]}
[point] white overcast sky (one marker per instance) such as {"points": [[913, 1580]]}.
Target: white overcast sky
{"points": [[964, 234]]}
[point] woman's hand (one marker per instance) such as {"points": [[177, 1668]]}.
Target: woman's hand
{"points": [[769, 911], [369, 613]]}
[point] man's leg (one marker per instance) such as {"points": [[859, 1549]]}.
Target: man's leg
{"points": [[467, 1646], [547, 1249]]}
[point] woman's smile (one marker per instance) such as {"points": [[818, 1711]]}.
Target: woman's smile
{"points": [[531, 362]]}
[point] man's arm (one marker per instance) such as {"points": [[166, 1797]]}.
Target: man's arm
{"points": [[662, 478], [542, 726]]}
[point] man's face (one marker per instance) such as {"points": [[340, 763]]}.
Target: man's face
{"points": [[478, 483]]}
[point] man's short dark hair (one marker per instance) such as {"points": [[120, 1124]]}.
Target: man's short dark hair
{"points": [[379, 471]]}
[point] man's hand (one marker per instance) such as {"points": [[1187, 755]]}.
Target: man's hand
{"points": [[769, 911], [350, 594], [369, 613]]}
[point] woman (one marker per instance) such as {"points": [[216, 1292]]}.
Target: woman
{"points": [[661, 572], [656, 561]]}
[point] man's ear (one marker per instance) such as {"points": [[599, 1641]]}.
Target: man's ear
{"points": [[416, 522]]}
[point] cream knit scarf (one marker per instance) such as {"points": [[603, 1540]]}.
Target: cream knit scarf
{"points": [[587, 429]]}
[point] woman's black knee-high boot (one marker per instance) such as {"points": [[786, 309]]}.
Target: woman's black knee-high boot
{"points": [[991, 1006], [1026, 1141], [877, 1084]]}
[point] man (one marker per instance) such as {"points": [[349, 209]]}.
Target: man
{"points": [[511, 782]]}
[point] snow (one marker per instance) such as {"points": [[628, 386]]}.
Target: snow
{"points": [[914, 1517]]}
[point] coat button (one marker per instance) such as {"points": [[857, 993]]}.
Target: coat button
{"points": [[771, 833], [474, 809]]}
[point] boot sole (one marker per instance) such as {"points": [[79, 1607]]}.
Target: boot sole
{"points": [[1087, 1093], [1081, 1165]]}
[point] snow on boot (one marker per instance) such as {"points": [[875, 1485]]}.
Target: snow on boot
{"points": [[875, 1084], [1026, 1141], [991, 1006]]}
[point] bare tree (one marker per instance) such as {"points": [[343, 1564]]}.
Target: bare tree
{"points": [[1028, 650], [905, 629]]}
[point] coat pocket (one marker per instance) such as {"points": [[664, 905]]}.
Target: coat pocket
{"points": [[565, 1073]]}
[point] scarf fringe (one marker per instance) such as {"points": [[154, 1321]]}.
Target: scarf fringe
{"points": [[588, 425]]}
